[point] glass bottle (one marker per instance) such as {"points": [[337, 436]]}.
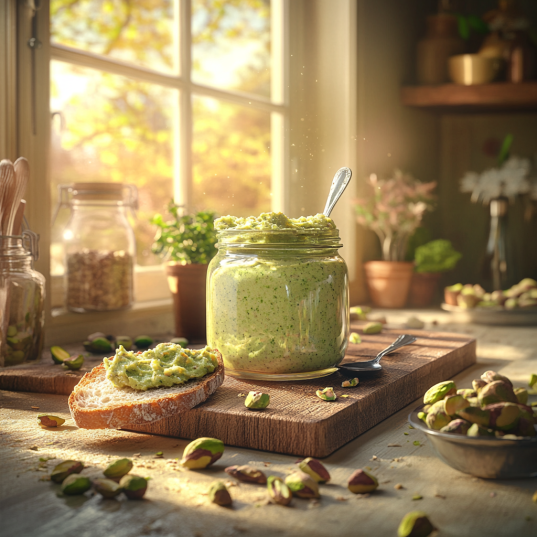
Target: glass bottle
{"points": [[99, 246], [22, 297], [278, 303]]}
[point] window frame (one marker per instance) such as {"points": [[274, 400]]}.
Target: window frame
{"points": [[278, 106], [307, 58]]}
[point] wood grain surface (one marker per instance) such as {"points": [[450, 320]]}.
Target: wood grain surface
{"points": [[298, 422]]}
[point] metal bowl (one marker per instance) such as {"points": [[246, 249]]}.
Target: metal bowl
{"points": [[490, 458]]}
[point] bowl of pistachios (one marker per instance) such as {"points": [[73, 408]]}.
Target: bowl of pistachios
{"points": [[489, 430]]}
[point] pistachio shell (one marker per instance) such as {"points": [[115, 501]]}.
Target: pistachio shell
{"points": [[439, 391], [74, 363], [415, 524], [118, 468], [219, 494], [75, 484], [361, 482], [133, 486], [125, 342], [315, 469], [143, 342], [247, 474], [202, 453], [180, 341], [355, 338], [497, 391], [350, 383], [372, 328], [99, 345], [456, 427], [302, 485], [326, 394], [257, 400], [65, 469], [106, 487], [58, 354], [47, 420], [437, 417], [279, 491]]}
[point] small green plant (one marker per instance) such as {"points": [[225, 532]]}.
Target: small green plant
{"points": [[188, 238], [436, 256]]}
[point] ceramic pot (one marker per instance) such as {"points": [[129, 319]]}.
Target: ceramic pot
{"points": [[434, 50], [423, 288], [388, 282], [188, 286]]}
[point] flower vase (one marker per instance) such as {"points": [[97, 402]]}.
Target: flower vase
{"points": [[496, 265]]}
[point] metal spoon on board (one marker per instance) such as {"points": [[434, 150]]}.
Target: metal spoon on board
{"points": [[373, 365], [339, 184]]}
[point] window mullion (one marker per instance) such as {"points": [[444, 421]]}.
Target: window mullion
{"points": [[280, 51], [183, 162]]}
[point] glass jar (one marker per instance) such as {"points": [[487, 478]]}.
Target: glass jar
{"points": [[99, 246], [22, 298], [278, 303]]}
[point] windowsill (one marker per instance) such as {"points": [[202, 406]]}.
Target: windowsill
{"points": [[147, 317]]}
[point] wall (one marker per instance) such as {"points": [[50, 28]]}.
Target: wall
{"points": [[389, 134], [463, 143]]}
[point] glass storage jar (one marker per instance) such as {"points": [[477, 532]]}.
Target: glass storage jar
{"points": [[22, 297], [99, 246], [278, 303]]}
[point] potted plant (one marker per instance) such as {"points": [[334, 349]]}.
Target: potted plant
{"points": [[430, 261], [187, 242], [393, 209]]}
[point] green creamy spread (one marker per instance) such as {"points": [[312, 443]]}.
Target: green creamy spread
{"points": [[165, 365], [276, 222], [278, 309]]}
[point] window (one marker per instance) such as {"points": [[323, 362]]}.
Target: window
{"points": [[276, 105], [179, 98]]}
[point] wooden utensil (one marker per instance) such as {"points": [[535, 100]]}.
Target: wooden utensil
{"points": [[22, 175], [7, 178]]}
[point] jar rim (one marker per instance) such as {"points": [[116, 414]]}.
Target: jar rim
{"points": [[279, 238]]}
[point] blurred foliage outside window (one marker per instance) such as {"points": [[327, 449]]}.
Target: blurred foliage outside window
{"points": [[107, 127]]}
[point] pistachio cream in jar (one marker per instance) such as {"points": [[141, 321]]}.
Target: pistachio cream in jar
{"points": [[277, 295]]}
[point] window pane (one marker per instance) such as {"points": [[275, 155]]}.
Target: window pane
{"points": [[112, 129], [231, 158], [231, 44], [141, 32]]}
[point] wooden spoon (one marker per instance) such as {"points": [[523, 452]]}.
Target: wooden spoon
{"points": [[22, 175], [7, 179]]}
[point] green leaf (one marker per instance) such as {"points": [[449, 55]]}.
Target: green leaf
{"points": [[464, 27], [503, 155]]}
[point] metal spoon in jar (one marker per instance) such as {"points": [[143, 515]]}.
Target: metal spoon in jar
{"points": [[339, 184], [373, 365]]}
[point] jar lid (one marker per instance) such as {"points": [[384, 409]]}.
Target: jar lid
{"points": [[97, 191]]}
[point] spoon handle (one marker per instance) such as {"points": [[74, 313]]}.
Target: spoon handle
{"points": [[339, 184], [401, 341]]}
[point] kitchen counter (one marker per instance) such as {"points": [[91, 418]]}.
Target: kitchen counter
{"points": [[176, 501]]}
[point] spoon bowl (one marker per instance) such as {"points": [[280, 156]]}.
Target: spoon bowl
{"points": [[374, 365]]}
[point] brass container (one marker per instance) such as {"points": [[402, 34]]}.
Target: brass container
{"points": [[472, 69]]}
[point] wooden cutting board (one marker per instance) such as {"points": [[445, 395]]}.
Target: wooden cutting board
{"points": [[297, 422]]}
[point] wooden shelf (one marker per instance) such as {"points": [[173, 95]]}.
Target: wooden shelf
{"points": [[501, 96]]}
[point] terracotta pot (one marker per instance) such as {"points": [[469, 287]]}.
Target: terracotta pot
{"points": [[388, 282], [188, 286], [423, 287]]}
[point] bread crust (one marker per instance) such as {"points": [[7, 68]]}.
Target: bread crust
{"points": [[128, 415]]}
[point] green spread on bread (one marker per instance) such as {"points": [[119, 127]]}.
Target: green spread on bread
{"points": [[166, 365]]}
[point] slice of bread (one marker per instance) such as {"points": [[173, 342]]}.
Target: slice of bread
{"points": [[96, 403]]}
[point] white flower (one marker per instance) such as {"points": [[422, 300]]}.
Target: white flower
{"points": [[469, 182], [510, 180]]}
